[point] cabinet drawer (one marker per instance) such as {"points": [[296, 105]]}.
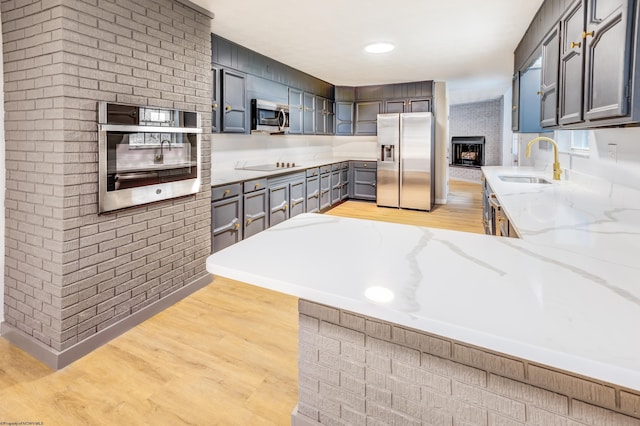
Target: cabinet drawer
{"points": [[254, 185], [325, 169], [313, 172], [365, 164], [225, 191]]}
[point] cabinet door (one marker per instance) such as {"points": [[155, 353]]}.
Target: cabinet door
{"points": [[394, 106], [364, 183], [309, 114], [325, 190], [226, 226], [367, 117], [234, 116], [330, 119], [549, 78], [344, 182], [296, 197], [278, 203], [515, 102], [295, 111], [321, 116], [313, 194], [255, 212], [336, 184], [215, 99], [344, 118], [419, 105], [607, 59], [571, 65]]}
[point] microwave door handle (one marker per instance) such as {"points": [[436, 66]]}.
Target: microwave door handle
{"points": [[281, 119]]}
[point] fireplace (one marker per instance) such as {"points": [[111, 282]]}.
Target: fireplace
{"points": [[467, 151]]}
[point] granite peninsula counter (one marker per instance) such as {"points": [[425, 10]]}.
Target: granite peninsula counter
{"points": [[406, 324]]}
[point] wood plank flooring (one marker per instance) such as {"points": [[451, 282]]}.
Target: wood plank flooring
{"points": [[226, 355]]}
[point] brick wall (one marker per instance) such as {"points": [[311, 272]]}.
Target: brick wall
{"points": [[478, 119], [356, 370], [70, 272]]}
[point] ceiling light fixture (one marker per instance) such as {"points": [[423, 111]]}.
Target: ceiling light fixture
{"points": [[379, 47]]}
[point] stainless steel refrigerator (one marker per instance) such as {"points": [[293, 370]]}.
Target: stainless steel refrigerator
{"points": [[406, 153]]}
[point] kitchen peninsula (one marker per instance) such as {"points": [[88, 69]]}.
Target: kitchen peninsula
{"points": [[404, 324]]}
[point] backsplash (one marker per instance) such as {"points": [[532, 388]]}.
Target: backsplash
{"points": [[624, 171], [230, 151]]}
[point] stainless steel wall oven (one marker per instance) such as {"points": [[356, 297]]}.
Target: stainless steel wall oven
{"points": [[146, 154]]}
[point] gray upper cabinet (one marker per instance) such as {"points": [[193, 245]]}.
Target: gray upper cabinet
{"points": [[367, 117], [571, 65], [309, 113], [296, 109], [215, 99], [407, 105], [344, 118], [593, 44], [549, 78], [515, 102], [608, 57], [325, 116], [234, 101]]}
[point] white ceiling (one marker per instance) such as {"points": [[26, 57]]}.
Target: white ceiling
{"points": [[467, 43]]}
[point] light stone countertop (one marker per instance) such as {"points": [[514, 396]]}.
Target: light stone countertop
{"points": [[223, 176], [566, 295]]}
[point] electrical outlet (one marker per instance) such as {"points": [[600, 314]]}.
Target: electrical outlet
{"points": [[612, 152]]}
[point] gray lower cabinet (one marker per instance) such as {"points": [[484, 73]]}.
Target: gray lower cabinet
{"points": [[344, 180], [325, 187], [313, 190], [226, 216], [297, 195], [255, 207], [286, 197], [336, 182], [363, 180]]}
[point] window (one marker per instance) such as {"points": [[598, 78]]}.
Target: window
{"points": [[573, 141]]}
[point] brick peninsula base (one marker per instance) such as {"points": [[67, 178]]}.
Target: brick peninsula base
{"points": [[357, 370]]}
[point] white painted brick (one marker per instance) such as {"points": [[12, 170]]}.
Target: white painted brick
{"points": [[596, 416], [531, 395], [568, 385]]}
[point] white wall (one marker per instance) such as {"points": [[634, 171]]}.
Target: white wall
{"points": [[441, 111]]}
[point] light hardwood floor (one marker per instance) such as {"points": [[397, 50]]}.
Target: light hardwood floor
{"points": [[226, 355]]}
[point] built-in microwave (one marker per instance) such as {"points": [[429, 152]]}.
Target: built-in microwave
{"points": [[269, 117]]}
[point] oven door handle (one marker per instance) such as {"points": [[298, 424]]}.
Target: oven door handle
{"points": [[136, 176]]}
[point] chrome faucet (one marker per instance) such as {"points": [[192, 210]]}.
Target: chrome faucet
{"points": [[556, 164], [159, 158]]}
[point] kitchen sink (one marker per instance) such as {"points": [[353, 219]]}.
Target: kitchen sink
{"points": [[523, 179]]}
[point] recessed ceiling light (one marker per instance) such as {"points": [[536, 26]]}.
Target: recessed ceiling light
{"points": [[379, 47]]}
